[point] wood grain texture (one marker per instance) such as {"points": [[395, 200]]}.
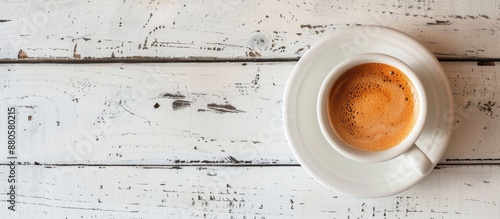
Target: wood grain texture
{"points": [[239, 192], [186, 113], [233, 29]]}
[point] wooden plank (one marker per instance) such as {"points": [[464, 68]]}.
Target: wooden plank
{"points": [[185, 113], [228, 29], [238, 192], [158, 113]]}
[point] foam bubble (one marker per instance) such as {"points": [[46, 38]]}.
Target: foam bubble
{"points": [[369, 107]]}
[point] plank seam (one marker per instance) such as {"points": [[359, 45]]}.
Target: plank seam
{"points": [[480, 61], [212, 165]]}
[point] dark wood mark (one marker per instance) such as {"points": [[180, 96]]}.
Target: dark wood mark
{"points": [[161, 167], [308, 26], [173, 96], [234, 160], [223, 160], [486, 108], [156, 106], [223, 108], [299, 50], [440, 22], [207, 48], [3, 21], [180, 104], [256, 80], [75, 54], [486, 63], [30, 117], [29, 107]]}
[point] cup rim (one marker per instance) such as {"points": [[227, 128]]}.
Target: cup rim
{"points": [[354, 153]]}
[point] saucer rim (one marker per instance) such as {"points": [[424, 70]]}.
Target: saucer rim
{"points": [[310, 55]]}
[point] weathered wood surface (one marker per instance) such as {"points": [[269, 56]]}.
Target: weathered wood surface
{"points": [[187, 113], [233, 29], [187, 140], [239, 192]]}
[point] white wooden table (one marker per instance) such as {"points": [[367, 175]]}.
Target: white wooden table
{"points": [[168, 109]]}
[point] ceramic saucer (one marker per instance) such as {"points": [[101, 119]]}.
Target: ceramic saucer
{"points": [[310, 147]]}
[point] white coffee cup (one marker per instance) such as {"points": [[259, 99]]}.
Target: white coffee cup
{"points": [[407, 146]]}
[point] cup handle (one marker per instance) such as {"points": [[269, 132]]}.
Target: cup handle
{"points": [[419, 160]]}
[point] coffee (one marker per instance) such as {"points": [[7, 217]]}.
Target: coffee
{"points": [[372, 106]]}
